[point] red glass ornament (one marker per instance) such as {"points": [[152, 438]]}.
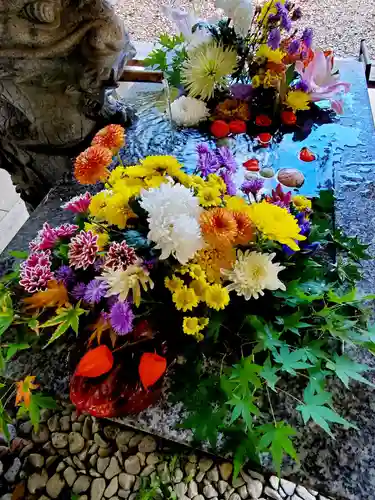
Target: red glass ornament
{"points": [[264, 138], [288, 118]]}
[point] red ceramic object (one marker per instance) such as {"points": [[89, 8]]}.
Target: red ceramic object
{"points": [[237, 126], [252, 165], [151, 368], [307, 155], [220, 129], [95, 362]]}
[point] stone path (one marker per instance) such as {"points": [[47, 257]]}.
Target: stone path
{"points": [[82, 458]]}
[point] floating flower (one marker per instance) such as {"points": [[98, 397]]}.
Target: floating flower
{"points": [[219, 129], [83, 249], [252, 165], [306, 155], [111, 137], [121, 282], [119, 256], [95, 291], [24, 388], [253, 273], [264, 138], [207, 68], [35, 272], [276, 223], [79, 204], [188, 111], [173, 213], [185, 299], [122, 317], [213, 259], [297, 100], [219, 227], [91, 166], [216, 297]]}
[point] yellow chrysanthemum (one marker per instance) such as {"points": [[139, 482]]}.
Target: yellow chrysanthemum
{"points": [[301, 202], [99, 203], [236, 204], [216, 181], [196, 272], [217, 297], [183, 178], [275, 56], [209, 197], [213, 259], [117, 174], [159, 163], [128, 187], [103, 236], [207, 68], [199, 286], [117, 211], [173, 284], [185, 299], [155, 181], [138, 171], [193, 326], [256, 81], [196, 181], [276, 223], [271, 79], [297, 100]]}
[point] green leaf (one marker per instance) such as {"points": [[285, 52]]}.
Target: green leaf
{"points": [[246, 372], [214, 326], [313, 351], [206, 423], [315, 410], [355, 249], [289, 75], [157, 59], [342, 299], [346, 369], [4, 421], [6, 312], [268, 373], [243, 408], [267, 336], [13, 348], [45, 401], [292, 322], [291, 360], [276, 440], [68, 317], [244, 451], [18, 254], [325, 201], [34, 412], [2, 362]]}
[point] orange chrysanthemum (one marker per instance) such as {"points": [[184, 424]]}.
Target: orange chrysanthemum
{"points": [[55, 295], [112, 137], [245, 229], [212, 260], [24, 388], [91, 166], [219, 227]]}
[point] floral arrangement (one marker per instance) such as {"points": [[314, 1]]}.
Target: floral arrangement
{"points": [[252, 70], [231, 291]]}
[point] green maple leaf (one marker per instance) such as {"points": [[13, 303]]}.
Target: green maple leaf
{"points": [[67, 317], [14, 348], [276, 440], [268, 373], [292, 322], [246, 372], [206, 423], [246, 449], [313, 351], [6, 310], [243, 408], [355, 249], [268, 338], [315, 410], [157, 59], [44, 401], [345, 368], [291, 360]]}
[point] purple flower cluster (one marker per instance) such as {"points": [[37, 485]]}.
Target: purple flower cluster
{"points": [[241, 91], [79, 290], [95, 291], [252, 186], [66, 275], [122, 317], [302, 85], [307, 37], [220, 162], [305, 228], [36, 271], [294, 47], [283, 15], [274, 38], [207, 160]]}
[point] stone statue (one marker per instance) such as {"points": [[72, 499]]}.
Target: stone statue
{"points": [[59, 60]]}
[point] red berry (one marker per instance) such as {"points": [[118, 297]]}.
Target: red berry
{"points": [[237, 126], [220, 129]]}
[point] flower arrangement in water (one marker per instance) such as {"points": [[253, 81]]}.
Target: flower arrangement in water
{"points": [[252, 66], [223, 285]]}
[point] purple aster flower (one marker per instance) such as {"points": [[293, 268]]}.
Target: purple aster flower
{"points": [[95, 291], [228, 179], [65, 274], [286, 23], [297, 14], [307, 37], [294, 47], [241, 91], [252, 186], [274, 39], [98, 264], [302, 85], [207, 161], [79, 290], [121, 317], [226, 159]]}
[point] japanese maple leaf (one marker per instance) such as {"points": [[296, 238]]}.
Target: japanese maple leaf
{"points": [[24, 388], [56, 295]]}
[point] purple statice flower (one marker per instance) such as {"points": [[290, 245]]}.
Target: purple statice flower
{"points": [[252, 186], [297, 14], [283, 13], [207, 161], [66, 275], [79, 290], [241, 91], [302, 85], [121, 318], [294, 47], [274, 39], [226, 159], [229, 182], [95, 291], [307, 37]]}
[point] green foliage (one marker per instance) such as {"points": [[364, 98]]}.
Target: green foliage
{"points": [[6, 310], [67, 317], [37, 402], [276, 438], [345, 369]]}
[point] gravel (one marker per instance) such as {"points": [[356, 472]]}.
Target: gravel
{"points": [[337, 24]]}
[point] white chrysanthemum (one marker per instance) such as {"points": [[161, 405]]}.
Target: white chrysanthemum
{"points": [[188, 111], [252, 273], [173, 221], [240, 11]]}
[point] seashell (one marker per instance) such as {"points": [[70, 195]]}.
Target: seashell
{"points": [[40, 11], [291, 177], [267, 172]]}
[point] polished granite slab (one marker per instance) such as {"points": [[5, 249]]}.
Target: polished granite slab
{"points": [[343, 467]]}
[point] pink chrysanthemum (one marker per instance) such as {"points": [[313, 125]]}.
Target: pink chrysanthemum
{"points": [[119, 256], [48, 236], [79, 204], [83, 249], [36, 272]]}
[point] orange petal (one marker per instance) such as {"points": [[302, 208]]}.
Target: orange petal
{"points": [[95, 362], [151, 368]]}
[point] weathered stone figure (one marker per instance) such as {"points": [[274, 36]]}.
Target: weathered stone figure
{"points": [[57, 58]]}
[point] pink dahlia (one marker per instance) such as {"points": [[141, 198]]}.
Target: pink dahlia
{"points": [[83, 249], [66, 230], [119, 256], [79, 204], [48, 236], [36, 272]]}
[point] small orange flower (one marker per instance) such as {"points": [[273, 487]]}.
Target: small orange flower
{"points": [[55, 295], [91, 166], [111, 137], [218, 226], [24, 388], [245, 229], [232, 109]]}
